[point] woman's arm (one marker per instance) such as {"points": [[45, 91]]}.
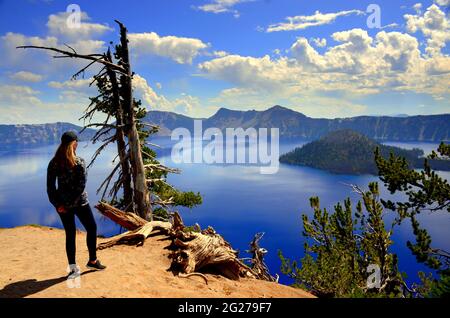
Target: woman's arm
{"points": [[51, 185], [80, 179]]}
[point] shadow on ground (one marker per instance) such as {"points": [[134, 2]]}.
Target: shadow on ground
{"points": [[32, 286]]}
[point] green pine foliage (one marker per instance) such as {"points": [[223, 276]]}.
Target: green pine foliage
{"points": [[341, 245], [339, 248], [160, 190], [425, 190], [430, 287]]}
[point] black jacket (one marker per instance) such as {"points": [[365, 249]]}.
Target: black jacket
{"points": [[71, 184]]}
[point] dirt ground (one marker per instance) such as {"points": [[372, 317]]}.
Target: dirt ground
{"points": [[33, 264]]}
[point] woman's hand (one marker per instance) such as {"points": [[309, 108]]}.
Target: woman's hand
{"points": [[61, 209]]}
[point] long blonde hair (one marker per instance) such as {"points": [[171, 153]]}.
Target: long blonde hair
{"points": [[65, 155]]}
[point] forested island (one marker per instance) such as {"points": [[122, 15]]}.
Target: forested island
{"points": [[349, 152]]}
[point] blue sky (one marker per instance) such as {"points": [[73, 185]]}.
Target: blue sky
{"points": [[321, 58]]}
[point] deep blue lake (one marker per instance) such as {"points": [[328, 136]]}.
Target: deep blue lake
{"points": [[238, 201]]}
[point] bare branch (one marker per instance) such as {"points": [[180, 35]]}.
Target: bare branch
{"points": [[146, 153], [355, 188], [74, 76], [154, 180], [158, 166], [91, 57], [164, 203], [152, 144], [99, 150], [103, 125], [148, 124], [108, 180], [73, 50], [99, 133]]}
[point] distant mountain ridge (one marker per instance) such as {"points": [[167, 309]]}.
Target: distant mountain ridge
{"points": [[292, 124], [38, 134]]}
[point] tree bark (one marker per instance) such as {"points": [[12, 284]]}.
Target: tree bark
{"points": [[120, 139], [141, 196], [128, 221], [138, 236]]}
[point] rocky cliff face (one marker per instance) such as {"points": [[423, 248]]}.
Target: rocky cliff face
{"points": [[42, 134], [292, 124]]}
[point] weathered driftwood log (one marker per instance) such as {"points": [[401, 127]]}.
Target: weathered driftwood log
{"points": [[193, 250], [139, 228], [138, 236], [130, 221]]}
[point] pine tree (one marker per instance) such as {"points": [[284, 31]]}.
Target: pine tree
{"points": [[139, 174], [425, 191], [341, 246]]}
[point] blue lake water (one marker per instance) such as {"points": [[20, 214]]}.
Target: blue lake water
{"points": [[238, 201]]}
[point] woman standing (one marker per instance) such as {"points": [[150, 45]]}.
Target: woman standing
{"points": [[70, 198]]}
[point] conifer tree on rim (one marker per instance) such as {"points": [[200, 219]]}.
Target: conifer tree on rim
{"points": [[116, 101]]}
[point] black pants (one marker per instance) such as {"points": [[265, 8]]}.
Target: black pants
{"points": [[86, 218]]}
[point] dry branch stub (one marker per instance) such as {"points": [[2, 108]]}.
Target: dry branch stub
{"points": [[258, 265]]}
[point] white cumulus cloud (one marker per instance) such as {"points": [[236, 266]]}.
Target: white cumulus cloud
{"points": [[319, 42], [58, 25], [433, 24], [247, 70], [24, 76], [301, 22], [152, 101], [443, 3], [27, 59], [358, 65], [17, 102], [418, 8], [72, 84], [180, 49], [222, 6]]}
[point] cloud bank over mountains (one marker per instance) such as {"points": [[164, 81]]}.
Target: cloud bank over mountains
{"points": [[327, 74]]}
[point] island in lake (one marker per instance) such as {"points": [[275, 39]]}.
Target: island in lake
{"points": [[349, 152]]}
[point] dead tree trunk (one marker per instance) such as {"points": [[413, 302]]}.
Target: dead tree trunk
{"points": [[138, 236], [141, 196], [128, 221], [120, 139]]}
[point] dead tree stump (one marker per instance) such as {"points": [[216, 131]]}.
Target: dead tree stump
{"points": [[198, 251]]}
